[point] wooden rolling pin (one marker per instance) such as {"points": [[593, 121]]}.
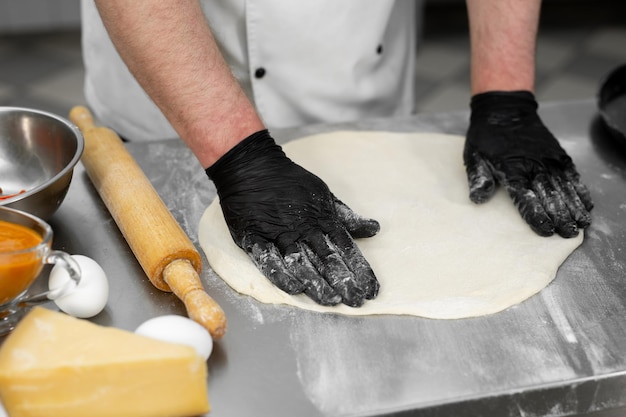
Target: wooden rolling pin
{"points": [[164, 251]]}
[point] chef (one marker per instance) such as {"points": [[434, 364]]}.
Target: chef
{"points": [[219, 74]]}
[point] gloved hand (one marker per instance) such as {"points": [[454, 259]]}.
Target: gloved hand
{"points": [[507, 143], [295, 230]]}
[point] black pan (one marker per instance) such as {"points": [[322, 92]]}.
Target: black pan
{"points": [[612, 103]]}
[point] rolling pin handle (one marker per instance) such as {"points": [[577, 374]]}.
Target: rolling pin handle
{"points": [[200, 306], [82, 117]]}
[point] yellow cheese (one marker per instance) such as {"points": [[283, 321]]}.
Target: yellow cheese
{"points": [[56, 365]]}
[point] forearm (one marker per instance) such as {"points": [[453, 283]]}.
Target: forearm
{"points": [[170, 50], [503, 35]]}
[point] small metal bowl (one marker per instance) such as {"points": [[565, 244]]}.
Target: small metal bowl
{"points": [[38, 152]]}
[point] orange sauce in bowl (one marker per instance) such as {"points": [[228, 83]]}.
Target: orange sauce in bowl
{"points": [[17, 270]]}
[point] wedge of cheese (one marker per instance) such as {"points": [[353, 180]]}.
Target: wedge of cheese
{"points": [[56, 365]]}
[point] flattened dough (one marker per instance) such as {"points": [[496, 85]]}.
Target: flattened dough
{"points": [[437, 255]]}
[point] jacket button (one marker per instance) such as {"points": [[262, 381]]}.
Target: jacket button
{"points": [[379, 49], [259, 73]]}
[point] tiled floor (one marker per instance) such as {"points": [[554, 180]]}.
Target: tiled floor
{"points": [[45, 71]]}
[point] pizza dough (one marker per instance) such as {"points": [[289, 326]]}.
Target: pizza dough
{"points": [[437, 255]]}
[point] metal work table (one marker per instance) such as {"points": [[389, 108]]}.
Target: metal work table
{"points": [[560, 353]]}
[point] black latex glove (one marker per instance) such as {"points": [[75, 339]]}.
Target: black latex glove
{"points": [[294, 229], [507, 143]]}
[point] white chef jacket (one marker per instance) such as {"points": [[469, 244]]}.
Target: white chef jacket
{"points": [[299, 62]]}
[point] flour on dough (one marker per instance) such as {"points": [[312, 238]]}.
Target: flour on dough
{"points": [[437, 255]]}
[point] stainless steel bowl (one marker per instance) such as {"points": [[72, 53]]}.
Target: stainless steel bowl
{"points": [[38, 152]]}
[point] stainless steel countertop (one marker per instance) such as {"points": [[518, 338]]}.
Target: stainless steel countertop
{"points": [[562, 352]]}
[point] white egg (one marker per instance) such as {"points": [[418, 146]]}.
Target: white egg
{"points": [[178, 329], [91, 294]]}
